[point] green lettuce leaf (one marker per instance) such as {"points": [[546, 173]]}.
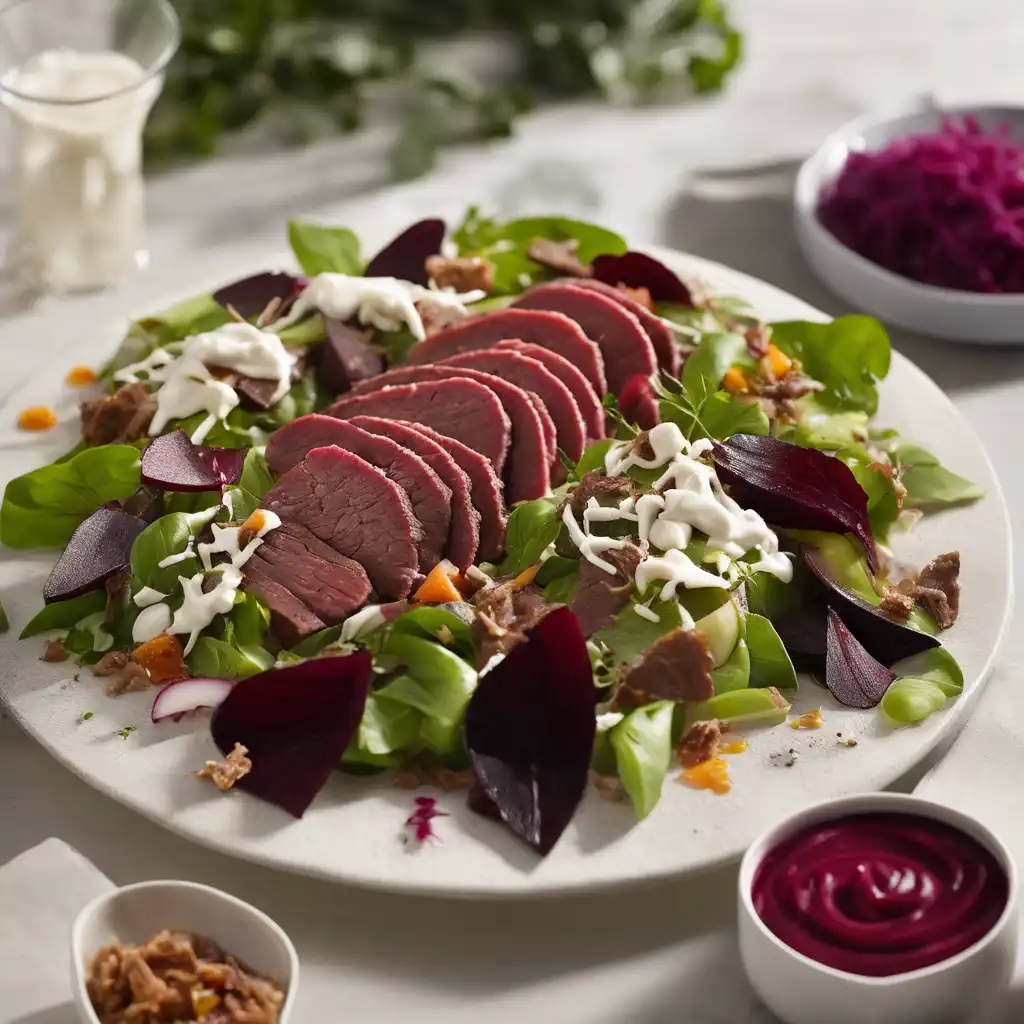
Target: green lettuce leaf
{"points": [[532, 526], [704, 369], [630, 635], [735, 673], [322, 250], [849, 355], [388, 730], [65, 614], [430, 622], [168, 535], [43, 508], [218, 659], [883, 506], [770, 664], [930, 486], [923, 685], [256, 477], [642, 743]]}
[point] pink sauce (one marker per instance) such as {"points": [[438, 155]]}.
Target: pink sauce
{"points": [[880, 894]]}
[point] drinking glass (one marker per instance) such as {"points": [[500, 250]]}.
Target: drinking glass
{"points": [[78, 78]]}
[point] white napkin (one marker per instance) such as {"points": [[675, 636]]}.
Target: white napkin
{"points": [[41, 893]]}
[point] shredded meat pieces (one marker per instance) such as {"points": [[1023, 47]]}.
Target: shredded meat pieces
{"points": [[504, 615], [54, 651], [464, 273], [596, 485], [699, 743], [125, 675], [896, 604], [224, 774], [757, 337], [560, 256], [788, 388], [178, 977], [412, 775], [676, 667], [119, 418], [601, 595], [937, 587]]}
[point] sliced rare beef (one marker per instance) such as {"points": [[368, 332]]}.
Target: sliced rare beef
{"points": [[677, 667], [345, 357], [330, 585], [526, 472], [639, 403], [290, 620], [534, 377], [586, 399], [601, 595], [457, 407], [429, 497], [486, 489], [665, 349], [624, 344], [355, 508], [464, 528], [547, 329]]}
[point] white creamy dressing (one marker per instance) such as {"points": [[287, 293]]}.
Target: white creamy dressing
{"points": [[199, 609], [179, 556], [186, 384], [382, 302], [690, 497], [609, 720], [77, 120]]}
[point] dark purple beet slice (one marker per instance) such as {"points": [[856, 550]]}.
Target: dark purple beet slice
{"points": [[637, 270], [251, 295], [174, 463], [883, 637], [345, 358], [296, 723], [802, 632], [794, 487], [851, 674], [100, 548], [530, 731], [405, 257], [256, 394], [147, 503]]}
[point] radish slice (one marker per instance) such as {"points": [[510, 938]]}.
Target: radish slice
{"points": [[177, 699]]}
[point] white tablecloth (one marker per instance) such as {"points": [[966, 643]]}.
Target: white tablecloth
{"points": [[711, 178]]}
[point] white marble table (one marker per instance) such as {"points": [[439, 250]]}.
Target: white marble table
{"points": [[712, 179]]}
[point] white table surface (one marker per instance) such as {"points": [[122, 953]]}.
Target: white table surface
{"points": [[713, 179]]}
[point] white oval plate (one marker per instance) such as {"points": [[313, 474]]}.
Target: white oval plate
{"points": [[354, 830]]}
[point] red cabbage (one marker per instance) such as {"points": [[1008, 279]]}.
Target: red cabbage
{"points": [[853, 677], [296, 723], [174, 463], [405, 257], [250, 296], [638, 270], [883, 637], [794, 487], [345, 358], [530, 731], [944, 208], [100, 548]]}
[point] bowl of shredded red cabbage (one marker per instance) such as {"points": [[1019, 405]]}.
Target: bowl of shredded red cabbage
{"points": [[943, 207]]}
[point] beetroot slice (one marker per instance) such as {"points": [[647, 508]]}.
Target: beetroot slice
{"points": [[296, 723], [345, 358], [853, 677], [100, 548], [638, 270], [251, 295], [883, 637], [174, 463], [794, 487], [530, 731], [405, 257], [803, 634]]}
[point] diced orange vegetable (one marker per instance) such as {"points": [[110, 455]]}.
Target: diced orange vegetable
{"points": [[438, 587], [37, 418], [527, 576], [162, 658], [255, 522], [776, 363], [735, 381], [80, 377]]}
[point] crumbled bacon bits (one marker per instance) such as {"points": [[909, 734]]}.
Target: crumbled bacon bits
{"points": [[224, 774], [421, 821], [463, 273], [699, 743], [54, 651]]}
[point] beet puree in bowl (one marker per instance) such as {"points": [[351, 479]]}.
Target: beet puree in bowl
{"points": [[880, 894], [878, 908]]}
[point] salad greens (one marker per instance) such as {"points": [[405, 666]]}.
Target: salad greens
{"points": [[425, 658]]}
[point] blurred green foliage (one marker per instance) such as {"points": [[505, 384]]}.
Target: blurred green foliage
{"points": [[314, 66]]}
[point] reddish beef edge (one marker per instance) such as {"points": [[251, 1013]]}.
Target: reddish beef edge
{"points": [[527, 474], [459, 408], [430, 499], [358, 511]]}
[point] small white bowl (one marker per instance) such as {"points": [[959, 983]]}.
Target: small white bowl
{"points": [[802, 991], [942, 312], [133, 914]]}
